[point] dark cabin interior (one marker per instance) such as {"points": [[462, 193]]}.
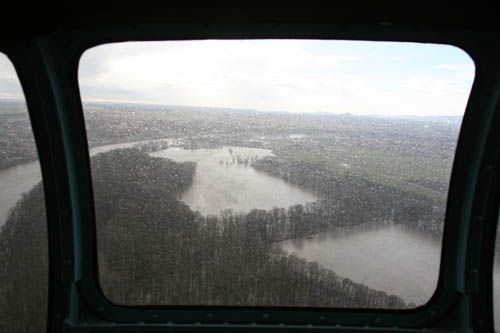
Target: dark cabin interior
{"points": [[44, 42]]}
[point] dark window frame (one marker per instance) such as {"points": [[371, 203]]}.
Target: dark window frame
{"points": [[48, 70]]}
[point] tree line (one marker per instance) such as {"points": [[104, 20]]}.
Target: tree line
{"points": [[153, 249], [348, 200]]}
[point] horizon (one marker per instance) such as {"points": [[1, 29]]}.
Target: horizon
{"points": [[219, 108]]}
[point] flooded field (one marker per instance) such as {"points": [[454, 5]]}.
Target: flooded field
{"points": [[225, 180]]}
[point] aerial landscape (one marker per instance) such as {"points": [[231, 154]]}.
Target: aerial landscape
{"points": [[247, 173], [214, 206]]}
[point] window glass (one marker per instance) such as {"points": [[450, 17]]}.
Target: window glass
{"points": [[272, 172], [23, 233]]}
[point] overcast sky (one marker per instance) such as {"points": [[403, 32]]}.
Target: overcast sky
{"points": [[277, 75]]}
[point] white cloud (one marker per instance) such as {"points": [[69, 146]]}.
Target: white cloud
{"points": [[295, 76]]}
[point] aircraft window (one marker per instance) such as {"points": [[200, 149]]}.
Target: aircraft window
{"points": [[272, 172], [23, 233]]}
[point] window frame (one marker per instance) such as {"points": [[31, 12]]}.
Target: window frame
{"points": [[45, 126], [48, 70]]}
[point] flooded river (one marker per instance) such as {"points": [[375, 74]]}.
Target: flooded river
{"points": [[225, 180], [390, 258], [20, 179]]}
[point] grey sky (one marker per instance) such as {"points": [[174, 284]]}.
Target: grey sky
{"points": [[277, 75]]}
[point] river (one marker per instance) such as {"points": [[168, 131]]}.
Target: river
{"points": [[225, 180], [370, 256], [390, 258], [20, 179], [220, 181]]}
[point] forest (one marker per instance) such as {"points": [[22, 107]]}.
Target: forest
{"points": [[350, 200], [153, 249]]}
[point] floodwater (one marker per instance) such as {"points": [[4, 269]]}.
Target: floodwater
{"points": [[20, 179], [14, 182], [224, 180], [220, 182], [389, 258]]}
